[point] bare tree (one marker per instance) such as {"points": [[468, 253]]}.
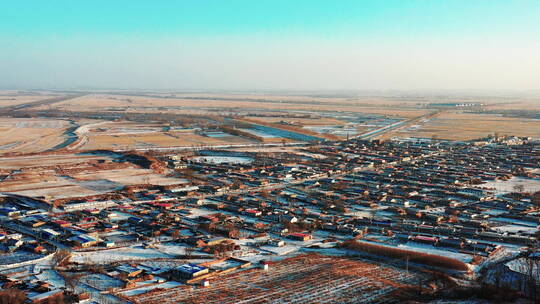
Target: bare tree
{"points": [[532, 272], [72, 280], [188, 251], [61, 257], [87, 260], [58, 299], [12, 296], [519, 188], [175, 234], [536, 198]]}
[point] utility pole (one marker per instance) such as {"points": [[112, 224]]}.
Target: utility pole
{"points": [[407, 264]]}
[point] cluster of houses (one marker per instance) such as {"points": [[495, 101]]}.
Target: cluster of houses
{"points": [[428, 193], [407, 189], [11, 242], [34, 291]]}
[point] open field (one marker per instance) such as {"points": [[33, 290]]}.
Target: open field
{"points": [[194, 99], [120, 254], [128, 176], [69, 175], [466, 126], [308, 278], [29, 135], [526, 104], [12, 98], [125, 135], [338, 127], [6, 101], [284, 98], [37, 161], [100, 102], [51, 185], [48, 185], [157, 140], [300, 121], [331, 117]]}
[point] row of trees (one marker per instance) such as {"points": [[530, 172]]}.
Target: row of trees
{"points": [[12, 296], [409, 255]]}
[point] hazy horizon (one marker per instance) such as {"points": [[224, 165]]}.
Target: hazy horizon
{"points": [[272, 45]]}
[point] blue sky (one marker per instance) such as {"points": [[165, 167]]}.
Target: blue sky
{"points": [[259, 44]]}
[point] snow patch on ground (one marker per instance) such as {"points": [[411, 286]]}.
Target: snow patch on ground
{"points": [[145, 289], [466, 258], [119, 254]]}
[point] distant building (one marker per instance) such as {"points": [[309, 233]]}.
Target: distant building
{"points": [[300, 236]]}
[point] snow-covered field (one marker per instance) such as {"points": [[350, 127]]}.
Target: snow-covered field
{"points": [[119, 254], [52, 277], [280, 250], [174, 248], [304, 279], [223, 159], [145, 289], [424, 248], [516, 228], [101, 281], [529, 185], [18, 257]]}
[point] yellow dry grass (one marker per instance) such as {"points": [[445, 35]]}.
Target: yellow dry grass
{"points": [[466, 126], [60, 160], [319, 121], [52, 185], [529, 104], [157, 140], [11, 99], [98, 102], [30, 135]]}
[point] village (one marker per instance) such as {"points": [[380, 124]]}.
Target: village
{"points": [[419, 208], [269, 152]]}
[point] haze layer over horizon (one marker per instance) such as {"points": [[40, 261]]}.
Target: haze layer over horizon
{"points": [[278, 44]]}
